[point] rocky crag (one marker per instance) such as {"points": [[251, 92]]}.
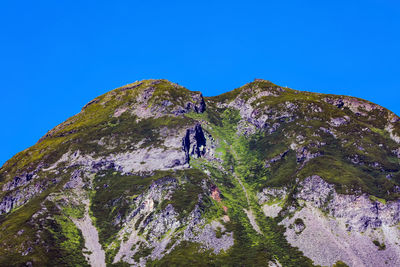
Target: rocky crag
{"points": [[154, 174]]}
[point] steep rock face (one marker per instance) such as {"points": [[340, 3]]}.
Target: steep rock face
{"points": [[330, 227], [194, 143], [261, 175], [359, 212]]}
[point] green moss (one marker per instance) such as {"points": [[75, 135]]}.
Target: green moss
{"points": [[299, 221], [381, 246], [186, 196], [139, 221], [218, 233], [112, 251], [76, 212], [143, 252], [340, 264], [64, 239], [381, 200], [185, 254], [73, 238]]}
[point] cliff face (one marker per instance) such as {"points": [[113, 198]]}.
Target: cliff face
{"points": [[154, 174]]}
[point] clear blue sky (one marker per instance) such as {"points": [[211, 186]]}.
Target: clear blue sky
{"points": [[58, 55]]}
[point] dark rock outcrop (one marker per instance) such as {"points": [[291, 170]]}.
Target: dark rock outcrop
{"points": [[194, 142]]}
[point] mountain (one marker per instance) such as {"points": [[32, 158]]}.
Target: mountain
{"points": [[154, 174]]}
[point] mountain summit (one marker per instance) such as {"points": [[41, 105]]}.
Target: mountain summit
{"points": [[154, 174]]}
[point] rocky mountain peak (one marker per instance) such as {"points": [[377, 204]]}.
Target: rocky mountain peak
{"points": [[151, 171]]}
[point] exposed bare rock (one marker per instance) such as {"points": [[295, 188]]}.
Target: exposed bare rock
{"points": [[274, 264], [326, 240], [339, 121], [358, 211], [15, 198], [23, 179], [357, 106], [155, 226], [118, 112], [275, 159], [96, 256], [393, 135], [304, 155], [346, 230], [206, 235], [271, 210], [144, 109], [269, 194], [397, 152]]}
